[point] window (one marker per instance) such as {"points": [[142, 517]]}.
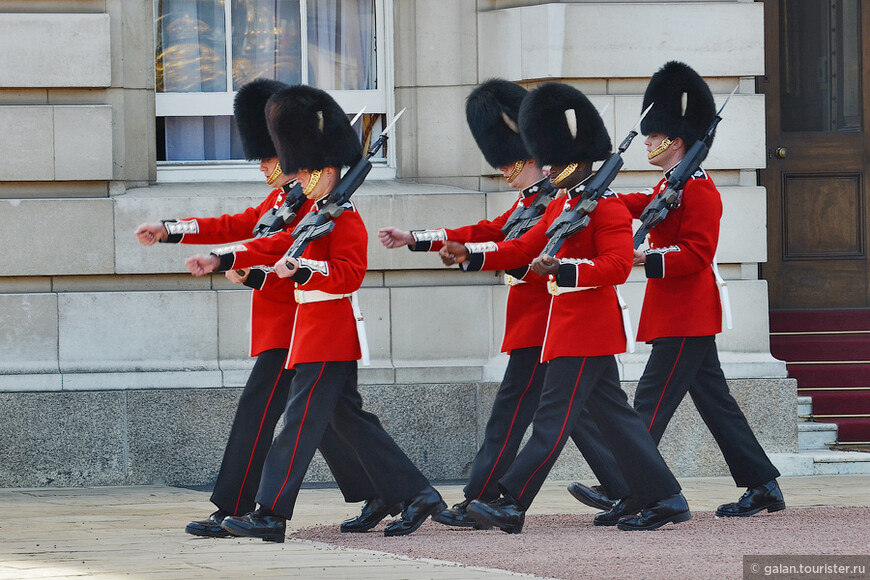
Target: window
{"points": [[207, 49], [820, 64]]}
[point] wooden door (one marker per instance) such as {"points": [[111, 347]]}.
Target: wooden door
{"points": [[817, 88]]}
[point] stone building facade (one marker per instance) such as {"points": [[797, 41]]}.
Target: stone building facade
{"points": [[116, 367]]}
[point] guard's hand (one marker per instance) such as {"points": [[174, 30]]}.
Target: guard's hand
{"points": [[200, 265], [238, 276], [394, 237], [639, 258], [544, 265], [150, 233], [286, 267], [453, 253]]}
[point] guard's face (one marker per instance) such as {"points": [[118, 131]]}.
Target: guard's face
{"points": [[267, 166], [665, 158], [506, 170], [271, 171], [526, 176]]}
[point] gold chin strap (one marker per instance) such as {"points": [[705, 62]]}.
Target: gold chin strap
{"points": [[275, 173], [663, 146], [518, 167], [565, 173], [312, 183]]}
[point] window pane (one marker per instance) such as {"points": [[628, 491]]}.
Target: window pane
{"points": [[341, 43], [266, 41], [199, 139], [217, 139], [191, 46], [821, 79], [849, 66]]}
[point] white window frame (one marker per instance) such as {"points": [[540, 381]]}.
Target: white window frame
{"points": [[380, 100]]}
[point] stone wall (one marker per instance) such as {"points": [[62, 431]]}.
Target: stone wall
{"points": [[118, 367], [177, 436]]}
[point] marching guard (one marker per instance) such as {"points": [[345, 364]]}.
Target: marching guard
{"points": [[682, 312], [491, 111], [272, 312], [565, 135], [314, 140]]}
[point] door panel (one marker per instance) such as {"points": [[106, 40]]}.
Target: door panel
{"points": [[817, 141]]}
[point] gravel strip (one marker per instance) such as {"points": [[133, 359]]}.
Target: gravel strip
{"points": [[568, 546]]}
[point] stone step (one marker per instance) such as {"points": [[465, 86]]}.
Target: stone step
{"points": [[814, 436], [804, 408], [821, 462]]}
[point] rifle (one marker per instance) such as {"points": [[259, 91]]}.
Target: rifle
{"points": [[657, 210], [320, 222], [523, 218], [574, 219], [274, 220]]}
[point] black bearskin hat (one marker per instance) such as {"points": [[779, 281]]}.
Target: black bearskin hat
{"points": [[249, 110], [684, 105], [310, 130], [560, 126], [491, 110]]}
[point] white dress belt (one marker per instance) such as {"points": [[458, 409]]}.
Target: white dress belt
{"points": [[556, 290], [311, 296]]}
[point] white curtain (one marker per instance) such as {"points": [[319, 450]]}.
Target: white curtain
{"points": [[341, 44]]}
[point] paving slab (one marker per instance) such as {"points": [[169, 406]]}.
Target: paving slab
{"points": [[138, 532]]}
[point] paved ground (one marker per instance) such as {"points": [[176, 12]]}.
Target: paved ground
{"points": [[137, 532]]}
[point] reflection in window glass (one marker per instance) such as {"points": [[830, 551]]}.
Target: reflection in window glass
{"points": [[266, 41], [191, 46], [819, 63]]}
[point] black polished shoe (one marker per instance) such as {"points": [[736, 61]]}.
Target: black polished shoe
{"points": [[622, 508], [672, 509], [417, 509], [373, 511], [502, 513], [592, 496], [269, 528], [458, 517], [763, 497], [209, 527]]}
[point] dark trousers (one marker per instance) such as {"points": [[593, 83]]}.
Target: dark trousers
{"points": [[260, 406], [570, 384], [325, 394], [512, 411], [678, 365]]}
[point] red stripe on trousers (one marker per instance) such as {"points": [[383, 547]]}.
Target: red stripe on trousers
{"points": [[513, 422], [260, 430], [561, 433], [298, 436], [662, 396]]}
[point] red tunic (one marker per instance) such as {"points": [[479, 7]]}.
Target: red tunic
{"points": [[272, 306], [336, 264], [586, 322], [527, 303], [684, 299]]}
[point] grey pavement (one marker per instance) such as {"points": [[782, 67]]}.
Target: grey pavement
{"points": [[138, 532]]}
